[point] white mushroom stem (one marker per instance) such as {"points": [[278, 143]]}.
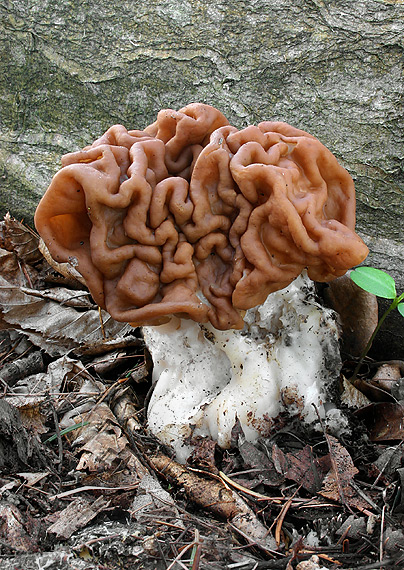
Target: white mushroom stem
{"points": [[284, 360]]}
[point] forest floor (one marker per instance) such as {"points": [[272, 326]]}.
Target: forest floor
{"points": [[83, 485]]}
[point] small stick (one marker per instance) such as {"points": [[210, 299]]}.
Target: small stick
{"points": [[102, 323], [180, 555], [196, 552], [382, 534]]}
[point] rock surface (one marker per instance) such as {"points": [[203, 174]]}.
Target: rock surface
{"points": [[333, 69]]}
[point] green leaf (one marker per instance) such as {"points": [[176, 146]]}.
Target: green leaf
{"points": [[375, 281], [400, 307]]}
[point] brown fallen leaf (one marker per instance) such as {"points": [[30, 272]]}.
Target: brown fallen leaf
{"points": [[302, 467], [35, 389], [389, 372], [66, 269], [256, 459], [12, 270], [203, 455], [351, 396], [18, 447], [337, 483], [358, 311], [76, 515], [101, 443], [17, 530], [51, 325], [380, 387], [384, 420], [20, 239], [306, 469], [66, 297]]}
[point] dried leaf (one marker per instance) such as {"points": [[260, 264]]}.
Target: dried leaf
{"points": [[352, 397], [302, 467], [256, 459], [18, 530], [16, 272], [384, 420], [35, 388], [33, 419], [18, 446], [389, 461], [84, 391], [337, 483], [76, 515], [66, 297], [52, 326], [20, 239], [102, 442], [65, 269], [32, 479], [306, 469], [353, 527], [383, 384], [152, 499], [107, 345], [358, 311], [203, 454], [279, 459], [9, 267], [126, 412]]}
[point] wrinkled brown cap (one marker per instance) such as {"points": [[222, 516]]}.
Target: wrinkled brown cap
{"points": [[192, 217]]}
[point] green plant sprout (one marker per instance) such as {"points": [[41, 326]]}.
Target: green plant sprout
{"points": [[383, 285], [66, 430]]}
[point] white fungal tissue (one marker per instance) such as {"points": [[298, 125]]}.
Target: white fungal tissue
{"points": [[284, 360]]}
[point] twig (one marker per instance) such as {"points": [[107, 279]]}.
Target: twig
{"points": [[281, 517], [93, 541], [93, 488], [58, 436], [101, 323], [196, 551], [371, 503], [180, 555], [242, 489], [255, 543], [382, 534], [108, 391], [388, 563]]}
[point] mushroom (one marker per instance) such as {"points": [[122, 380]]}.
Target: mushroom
{"points": [[194, 218], [191, 224]]}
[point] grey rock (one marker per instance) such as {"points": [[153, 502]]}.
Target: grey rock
{"points": [[332, 68]]}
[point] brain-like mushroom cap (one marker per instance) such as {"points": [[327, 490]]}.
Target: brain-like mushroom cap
{"points": [[195, 218]]}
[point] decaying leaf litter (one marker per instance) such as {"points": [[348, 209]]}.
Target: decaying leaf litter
{"points": [[84, 485]]}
